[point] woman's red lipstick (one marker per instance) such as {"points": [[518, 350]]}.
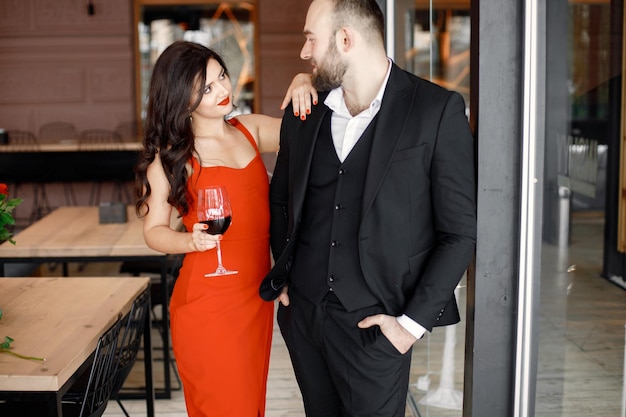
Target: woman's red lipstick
{"points": [[224, 102]]}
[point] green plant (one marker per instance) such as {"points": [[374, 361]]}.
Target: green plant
{"points": [[7, 205], [5, 347]]}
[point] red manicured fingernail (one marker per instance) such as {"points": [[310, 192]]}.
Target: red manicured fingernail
{"points": [[297, 113], [308, 111], [303, 117], [314, 101]]}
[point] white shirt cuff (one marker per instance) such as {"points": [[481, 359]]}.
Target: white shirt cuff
{"points": [[411, 326]]}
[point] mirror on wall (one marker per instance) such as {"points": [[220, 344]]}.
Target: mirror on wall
{"points": [[226, 27]]}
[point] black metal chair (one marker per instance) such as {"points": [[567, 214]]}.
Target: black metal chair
{"points": [[153, 269], [128, 131], [93, 401], [26, 141], [131, 333], [99, 139], [89, 396], [57, 131], [23, 139]]}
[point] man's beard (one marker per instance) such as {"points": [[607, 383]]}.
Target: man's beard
{"points": [[330, 72]]}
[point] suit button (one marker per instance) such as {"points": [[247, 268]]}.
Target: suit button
{"points": [[342, 171], [338, 207], [334, 244], [331, 278]]}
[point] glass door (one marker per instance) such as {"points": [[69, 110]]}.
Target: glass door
{"points": [[580, 368], [580, 311], [431, 38]]}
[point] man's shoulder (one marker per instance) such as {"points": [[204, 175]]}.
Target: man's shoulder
{"points": [[291, 120]]}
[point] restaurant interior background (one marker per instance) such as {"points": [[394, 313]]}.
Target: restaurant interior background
{"points": [[87, 62]]}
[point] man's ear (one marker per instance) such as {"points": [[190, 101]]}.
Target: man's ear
{"points": [[345, 39]]}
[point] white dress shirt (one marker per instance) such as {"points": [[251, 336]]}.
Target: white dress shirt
{"points": [[346, 131]]}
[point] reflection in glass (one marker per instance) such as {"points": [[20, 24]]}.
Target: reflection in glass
{"points": [[435, 45], [580, 369]]}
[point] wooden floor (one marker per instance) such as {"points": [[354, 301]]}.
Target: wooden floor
{"points": [[581, 352], [582, 330]]}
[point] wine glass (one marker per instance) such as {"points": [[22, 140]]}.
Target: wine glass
{"points": [[214, 210]]}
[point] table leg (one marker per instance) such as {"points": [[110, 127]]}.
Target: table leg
{"points": [[55, 405], [147, 352], [166, 328]]}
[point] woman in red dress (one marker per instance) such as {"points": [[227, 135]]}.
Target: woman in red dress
{"points": [[221, 328]]}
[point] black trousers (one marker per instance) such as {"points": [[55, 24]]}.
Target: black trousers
{"points": [[343, 371]]}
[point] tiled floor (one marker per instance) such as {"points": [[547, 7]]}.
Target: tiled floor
{"points": [[581, 352]]}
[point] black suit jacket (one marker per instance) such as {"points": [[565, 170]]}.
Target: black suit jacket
{"points": [[418, 221]]}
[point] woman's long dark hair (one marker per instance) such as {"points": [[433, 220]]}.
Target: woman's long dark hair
{"points": [[176, 89]]}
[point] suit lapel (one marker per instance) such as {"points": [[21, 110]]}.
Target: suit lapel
{"points": [[395, 110], [304, 144], [394, 113]]}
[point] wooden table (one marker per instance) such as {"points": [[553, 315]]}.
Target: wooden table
{"points": [[74, 234], [59, 319]]}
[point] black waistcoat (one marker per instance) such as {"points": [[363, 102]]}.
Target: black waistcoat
{"points": [[326, 255]]}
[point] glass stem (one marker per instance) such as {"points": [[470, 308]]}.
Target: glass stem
{"points": [[219, 256]]}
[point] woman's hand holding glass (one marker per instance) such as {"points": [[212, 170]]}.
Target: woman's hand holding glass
{"points": [[201, 240]]}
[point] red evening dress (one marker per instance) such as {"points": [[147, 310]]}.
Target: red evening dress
{"points": [[221, 328]]}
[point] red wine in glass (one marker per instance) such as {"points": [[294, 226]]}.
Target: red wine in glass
{"points": [[214, 210], [217, 226]]}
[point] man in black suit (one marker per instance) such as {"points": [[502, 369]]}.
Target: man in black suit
{"points": [[373, 217]]}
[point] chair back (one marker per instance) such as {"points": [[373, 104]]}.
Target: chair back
{"points": [[128, 131], [99, 139], [23, 139], [102, 374], [129, 342], [89, 395], [57, 131]]}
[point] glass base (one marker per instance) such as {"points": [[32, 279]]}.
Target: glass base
{"points": [[221, 271]]}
